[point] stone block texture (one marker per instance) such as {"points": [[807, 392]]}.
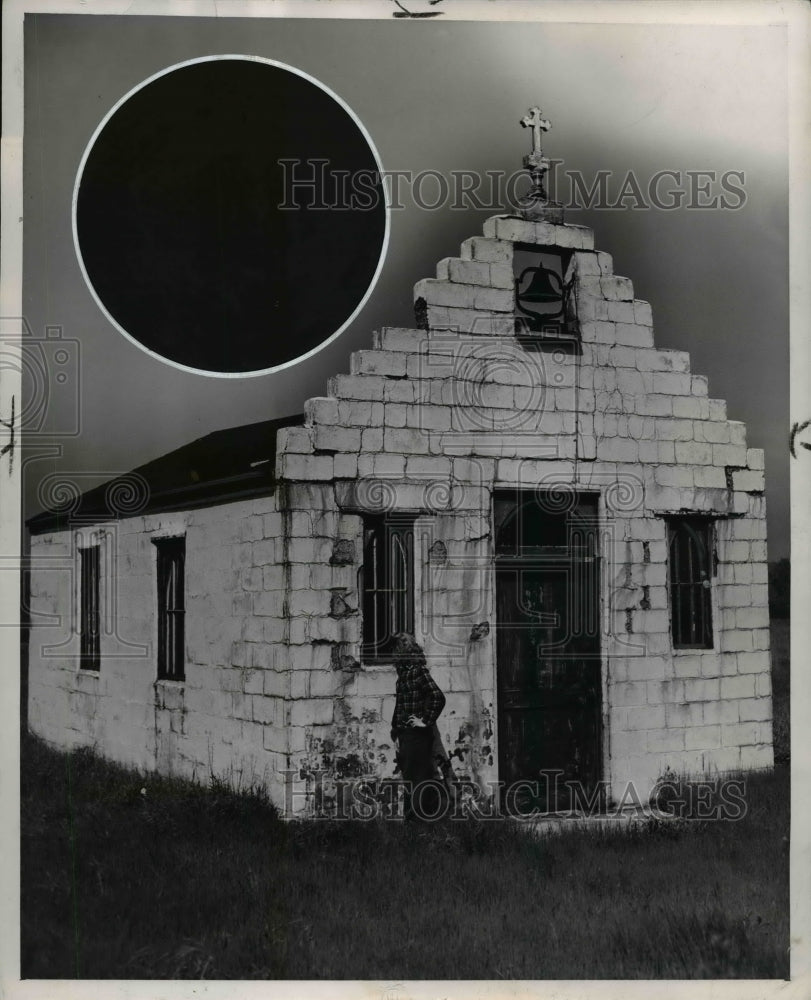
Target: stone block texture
{"points": [[432, 420], [228, 716]]}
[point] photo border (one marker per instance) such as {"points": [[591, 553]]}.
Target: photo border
{"points": [[796, 16]]}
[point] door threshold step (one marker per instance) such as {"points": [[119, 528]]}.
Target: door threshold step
{"points": [[568, 822]]}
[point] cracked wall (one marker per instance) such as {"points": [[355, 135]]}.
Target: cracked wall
{"points": [[435, 418], [432, 420]]}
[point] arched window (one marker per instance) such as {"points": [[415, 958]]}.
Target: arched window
{"points": [[690, 569]]}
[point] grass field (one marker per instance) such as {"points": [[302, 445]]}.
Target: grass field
{"points": [[781, 688], [190, 882]]}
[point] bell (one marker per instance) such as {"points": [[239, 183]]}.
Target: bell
{"points": [[540, 289]]}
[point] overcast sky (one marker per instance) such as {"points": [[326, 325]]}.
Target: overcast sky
{"points": [[443, 96]]}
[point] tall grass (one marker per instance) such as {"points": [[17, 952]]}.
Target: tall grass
{"points": [[781, 688], [191, 882]]}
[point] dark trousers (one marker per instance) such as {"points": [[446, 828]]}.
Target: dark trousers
{"points": [[417, 768]]}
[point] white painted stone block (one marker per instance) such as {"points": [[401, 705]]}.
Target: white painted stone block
{"points": [[623, 312], [388, 364], [487, 249], [592, 309], [388, 466], [670, 475], [654, 405], [321, 410], [625, 693], [741, 734], [755, 757], [346, 466], [755, 458], [356, 387], [644, 668], [660, 740], [494, 299], [546, 234], [758, 551], [628, 744], [617, 289], [672, 383], [750, 618], [760, 638], [470, 321], [739, 551], [643, 315], [397, 338], [296, 440], [702, 690], [674, 430], [422, 467], [362, 412], [395, 415], [702, 737], [648, 451], [618, 450], [691, 406], [728, 454], [641, 717], [470, 272], [501, 276], [606, 262], [445, 293], [311, 712], [753, 662], [693, 453], [755, 710], [738, 687], [748, 481], [275, 683], [737, 432], [586, 263], [683, 716], [405, 441]]}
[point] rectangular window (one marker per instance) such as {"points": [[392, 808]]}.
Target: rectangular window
{"points": [[89, 615], [171, 608], [387, 582], [690, 569], [543, 306]]}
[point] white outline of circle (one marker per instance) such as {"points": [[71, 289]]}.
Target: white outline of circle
{"points": [[89, 283]]}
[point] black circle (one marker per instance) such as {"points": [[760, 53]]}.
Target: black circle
{"points": [[179, 224]]}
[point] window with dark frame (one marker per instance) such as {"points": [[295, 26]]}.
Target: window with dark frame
{"points": [[542, 294], [171, 608], [386, 583], [690, 570], [89, 610]]}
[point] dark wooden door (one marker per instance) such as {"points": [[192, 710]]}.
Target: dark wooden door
{"points": [[548, 651]]}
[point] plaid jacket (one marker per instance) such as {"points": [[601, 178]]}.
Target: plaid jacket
{"points": [[417, 694]]}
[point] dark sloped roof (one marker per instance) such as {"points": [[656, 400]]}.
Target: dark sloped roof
{"points": [[223, 466]]}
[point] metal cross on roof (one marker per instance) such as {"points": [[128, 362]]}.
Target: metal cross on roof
{"points": [[536, 204], [534, 119]]}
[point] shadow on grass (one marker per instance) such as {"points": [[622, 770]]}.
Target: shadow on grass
{"points": [[192, 882]]}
